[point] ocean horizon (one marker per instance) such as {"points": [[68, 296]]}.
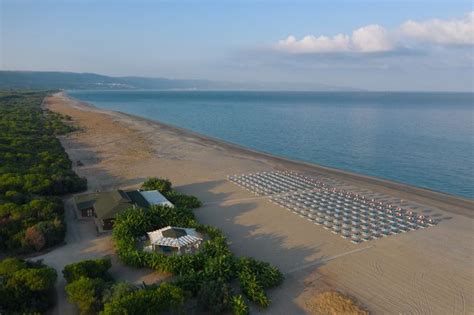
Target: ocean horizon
{"points": [[424, 139]]}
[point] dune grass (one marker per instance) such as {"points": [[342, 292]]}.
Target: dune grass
{"points": [[332, 303]]}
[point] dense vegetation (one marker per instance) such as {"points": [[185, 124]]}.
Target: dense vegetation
{"points": [[93, 291], [26, 287], [209, 275], [34, 170]]}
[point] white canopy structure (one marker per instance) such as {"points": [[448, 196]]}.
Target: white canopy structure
{"points": [[175, 239]]}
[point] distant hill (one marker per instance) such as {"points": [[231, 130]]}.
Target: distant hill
{"points": [[71, 81]]}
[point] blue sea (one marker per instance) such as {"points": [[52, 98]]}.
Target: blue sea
{"points": [[421, 139]]}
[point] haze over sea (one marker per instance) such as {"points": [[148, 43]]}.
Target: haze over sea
{"points": [[421, 139]]}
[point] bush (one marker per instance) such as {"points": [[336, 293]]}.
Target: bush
{"points": [[267, 275], [163, 185], [117, 291], [173, 216], [10, 265], [255, 276], [190, 282], [166, 297], [252, 288], [26, 287], [220, 267], [183, 201], [35, 238], [86, 294], [34, 279], [94, 268], [214, 296], [239, 306], [54, 231]]}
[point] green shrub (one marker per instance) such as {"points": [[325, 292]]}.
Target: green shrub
{"points": [[183, 201], [54, 231], [117, 291], [163, 185], [252, 288], [86, 293], [26, 287], [239, 306], [214, 296], [255, 276], [190, 282], [166, 297], [10, 265], [267, 275], [34, 279], [219, 267], [174, 216], [94, 268]]}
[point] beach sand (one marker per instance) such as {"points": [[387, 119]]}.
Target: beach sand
{"points": [[419, 272]]}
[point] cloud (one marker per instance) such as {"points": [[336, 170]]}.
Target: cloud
{"points": [[444, 32], [374, 38], [370, 38], [311, 43]]}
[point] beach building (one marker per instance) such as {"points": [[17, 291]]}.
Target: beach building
{"points": [[174, 240], [85, 204], [146, 198], [108, 205], [104, 206]]}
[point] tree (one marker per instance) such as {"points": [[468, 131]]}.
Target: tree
{"points": [[53, 231], [35, 238], [93, 268], [33, 169], [10, 265], [166, 297], [117, 291], [86, 294], [34, 279], [26, 287]]}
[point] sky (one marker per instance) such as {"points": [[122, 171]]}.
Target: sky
{"points": [[375, 45]]}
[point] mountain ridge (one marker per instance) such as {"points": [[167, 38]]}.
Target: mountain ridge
{"points": [[11, 79]]}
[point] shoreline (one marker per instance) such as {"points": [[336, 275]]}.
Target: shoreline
{"points": [[430, 268], [447, 202]]}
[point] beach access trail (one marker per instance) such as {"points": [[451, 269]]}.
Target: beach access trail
{"points": [[419, 272], [83, 242]]}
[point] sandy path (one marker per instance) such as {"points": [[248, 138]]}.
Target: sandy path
{"points": [[427, 271], [82, 242]]}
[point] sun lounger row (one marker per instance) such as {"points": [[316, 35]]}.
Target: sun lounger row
{"points": [[350, 215], [267, 183]]}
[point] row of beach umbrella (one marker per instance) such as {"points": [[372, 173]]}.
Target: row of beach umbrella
{"points": [[350, 215]]}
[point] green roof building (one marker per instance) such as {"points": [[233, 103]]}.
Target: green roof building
{"points": [[104, 206]]}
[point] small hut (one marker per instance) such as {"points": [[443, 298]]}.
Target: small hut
{"points": [[175, 240]]}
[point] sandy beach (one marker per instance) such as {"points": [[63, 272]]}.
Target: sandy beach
{"points": [[429, 271]]}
